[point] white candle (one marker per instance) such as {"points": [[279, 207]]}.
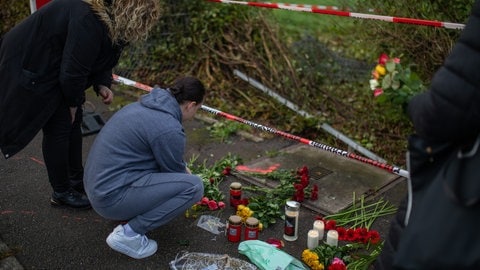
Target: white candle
{"points": [[312, 240], [319, 226], [332, 238]]}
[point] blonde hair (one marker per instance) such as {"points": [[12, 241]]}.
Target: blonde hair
{"points": [[127, 20]]}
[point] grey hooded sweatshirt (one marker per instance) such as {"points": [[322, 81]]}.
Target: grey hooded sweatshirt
{"points": [[142, 138]]}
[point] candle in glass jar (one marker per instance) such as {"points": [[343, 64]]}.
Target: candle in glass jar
{"points": [[332, 238], [292, 209], [319, 226], [312, 240]]}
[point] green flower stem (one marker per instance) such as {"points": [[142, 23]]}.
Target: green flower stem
{"points": [[364, 262], [362, 215]]}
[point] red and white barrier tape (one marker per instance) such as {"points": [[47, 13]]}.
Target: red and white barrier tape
{"points": [[328, 10], [389, 168]]}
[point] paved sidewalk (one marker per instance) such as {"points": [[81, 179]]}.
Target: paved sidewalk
{"points": [[57, 238]]}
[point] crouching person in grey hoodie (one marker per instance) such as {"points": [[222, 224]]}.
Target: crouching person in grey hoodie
{"points": [[135, 169]]}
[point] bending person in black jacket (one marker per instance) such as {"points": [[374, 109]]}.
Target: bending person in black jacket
{"points": [[448, 112], [47, 62]]}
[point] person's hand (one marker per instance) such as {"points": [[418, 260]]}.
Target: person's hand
{"points": [[73, 112], [106, 94]]}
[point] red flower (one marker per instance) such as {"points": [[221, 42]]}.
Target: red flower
{"points": [[299, 195], [373, 237], [342, 233], [298, 187], [204, 201], [304, 180], [350, 235], [227, 170], [377, 92], [212, 180], [212, 205], [330, 225], [337, 264], [244, 201], [302, 171], [337, 267], [361, 235], [221, 205], [382, 60]]}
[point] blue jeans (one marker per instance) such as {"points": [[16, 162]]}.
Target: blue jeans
{"points": [[153, 200]]}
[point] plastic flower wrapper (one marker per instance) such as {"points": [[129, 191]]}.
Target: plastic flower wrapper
{"points": [[207, 261], [268, 257], [211, 224]]}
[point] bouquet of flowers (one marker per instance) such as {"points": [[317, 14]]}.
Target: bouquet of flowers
{"points": [[394, 84], [361, 244], [212, 176]]}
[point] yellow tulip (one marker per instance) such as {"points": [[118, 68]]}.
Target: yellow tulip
{"points": [[380, 69]]}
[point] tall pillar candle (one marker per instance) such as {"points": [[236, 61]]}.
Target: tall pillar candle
{"points": [[319, 226], [312, 239]]}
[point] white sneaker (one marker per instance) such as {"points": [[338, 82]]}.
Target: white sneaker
{"points": [[137, 247]]}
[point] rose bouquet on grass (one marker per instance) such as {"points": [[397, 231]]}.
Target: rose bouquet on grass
{"points": [[393, 84], [353, 224]]}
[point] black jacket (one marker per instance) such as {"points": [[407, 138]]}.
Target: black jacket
{"points": [[450, 110], [55, 54]]}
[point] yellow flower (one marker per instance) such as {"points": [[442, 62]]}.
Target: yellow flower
{"points": [[244, 212], [311, 259], [317, 266], [380, 69]]}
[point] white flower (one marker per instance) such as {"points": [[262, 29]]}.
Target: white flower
{"points": [[373, 84]]}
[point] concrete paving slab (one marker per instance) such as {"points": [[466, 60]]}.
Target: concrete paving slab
{"points": [[337, 177]]}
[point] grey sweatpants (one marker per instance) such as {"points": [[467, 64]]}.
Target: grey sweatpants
{"points": [[153, 200]]}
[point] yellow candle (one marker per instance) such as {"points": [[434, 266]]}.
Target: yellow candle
{"points": [[332, 238], [319, 226], [312, 240]]}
